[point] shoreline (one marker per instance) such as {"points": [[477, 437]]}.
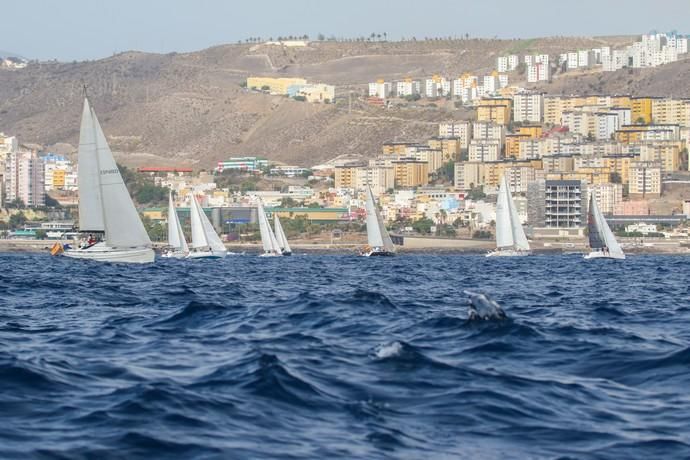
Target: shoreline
{"points": [[475, 247]]}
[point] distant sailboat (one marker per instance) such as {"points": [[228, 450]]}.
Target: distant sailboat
{"points": [[378, 240], [176, 240], [510, 236], [280, 236], [601, 240], [206, 243], [268, 238], [105, 208]]}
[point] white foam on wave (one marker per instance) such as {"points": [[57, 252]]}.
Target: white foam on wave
{"points": [[390, 350]]}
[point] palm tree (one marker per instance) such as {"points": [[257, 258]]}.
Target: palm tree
{"points": [[385, 36]]}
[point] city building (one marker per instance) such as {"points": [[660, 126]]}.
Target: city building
{"points": [[380, 89], [246, 164], [461, 130], [410, 172], [645, 179], [24, 178], [483, 150], [556, 204], [528, 107], [277, 86], [496, 110]]}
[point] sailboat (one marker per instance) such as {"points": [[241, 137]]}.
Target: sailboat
{"points": [[601, 240], [378, 240], [268, 239], [280, 236], [178, 245], [510, 236], [106, 211], [206, 243]]}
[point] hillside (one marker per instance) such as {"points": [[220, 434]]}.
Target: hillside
{"points": [[190, 109], [671, 80]]}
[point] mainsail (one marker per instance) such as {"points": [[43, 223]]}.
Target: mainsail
{"points": [[268, 238], [104, 202], [90, 208], [377, 235], [176, 237], [203, 233], [509, 231], [199, 239], [600, 234], [280, 234]]}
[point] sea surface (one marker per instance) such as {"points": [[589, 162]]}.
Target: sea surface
{"points": [[337, 356]]}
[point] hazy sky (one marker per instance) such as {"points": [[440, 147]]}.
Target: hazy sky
{"points": [[88, 29]]}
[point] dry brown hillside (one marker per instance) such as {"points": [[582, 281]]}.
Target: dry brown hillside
{"points": [[189, 108]]}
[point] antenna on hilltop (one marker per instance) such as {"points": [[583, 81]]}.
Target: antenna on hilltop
{"points": [[85, 90]]}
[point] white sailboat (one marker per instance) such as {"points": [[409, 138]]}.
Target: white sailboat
{"points": [[105, 207], [510, 236], [601, 240], [280, 236], [206, 243], [379, 242], [176, 240], [268, 239]]}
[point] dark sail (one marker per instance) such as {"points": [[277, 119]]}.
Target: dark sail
{"points": [[596, 240]]}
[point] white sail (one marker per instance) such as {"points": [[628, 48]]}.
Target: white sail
{"points": [[509, 231], [199, 239], [212, 237], [377, 235], [605, 232], [123, 226], [176, 237], [519, 237], [90, 209], [280, 234], [268, 238], [504, 229]]}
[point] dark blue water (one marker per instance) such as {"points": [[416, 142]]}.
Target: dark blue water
{"points": [[344, 357]]}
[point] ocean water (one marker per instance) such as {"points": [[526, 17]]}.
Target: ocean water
{"points": [[336, 356]]}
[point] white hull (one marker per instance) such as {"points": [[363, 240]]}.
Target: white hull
{"points": [[508, 253], [174, 255], [270, 254], [212, 254], [102, 253], [377, 252], [603, 255]]}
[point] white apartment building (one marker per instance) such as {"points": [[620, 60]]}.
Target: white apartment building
{"points": [[644, 179], [483, 150], [584, 58], [487, 130], [468, 175], [528, 107], [537, 72], [503, 81], [608, 196], [24, 177], [514, 60], [519, 177], [407, 88], [380, 89], [458, 129], [502, 64], [529, 60], [572, 60], [490, 84]]}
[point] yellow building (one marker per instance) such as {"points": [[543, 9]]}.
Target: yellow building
{"points": [[397, 148], [450, 147], [621, 101], [410, 172], [666, 153], [671, 111], [513, 144], [620, 165], [59, 178], [641, 110], [535, 131], [274, 85], [497, 110], [346, 175]]}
